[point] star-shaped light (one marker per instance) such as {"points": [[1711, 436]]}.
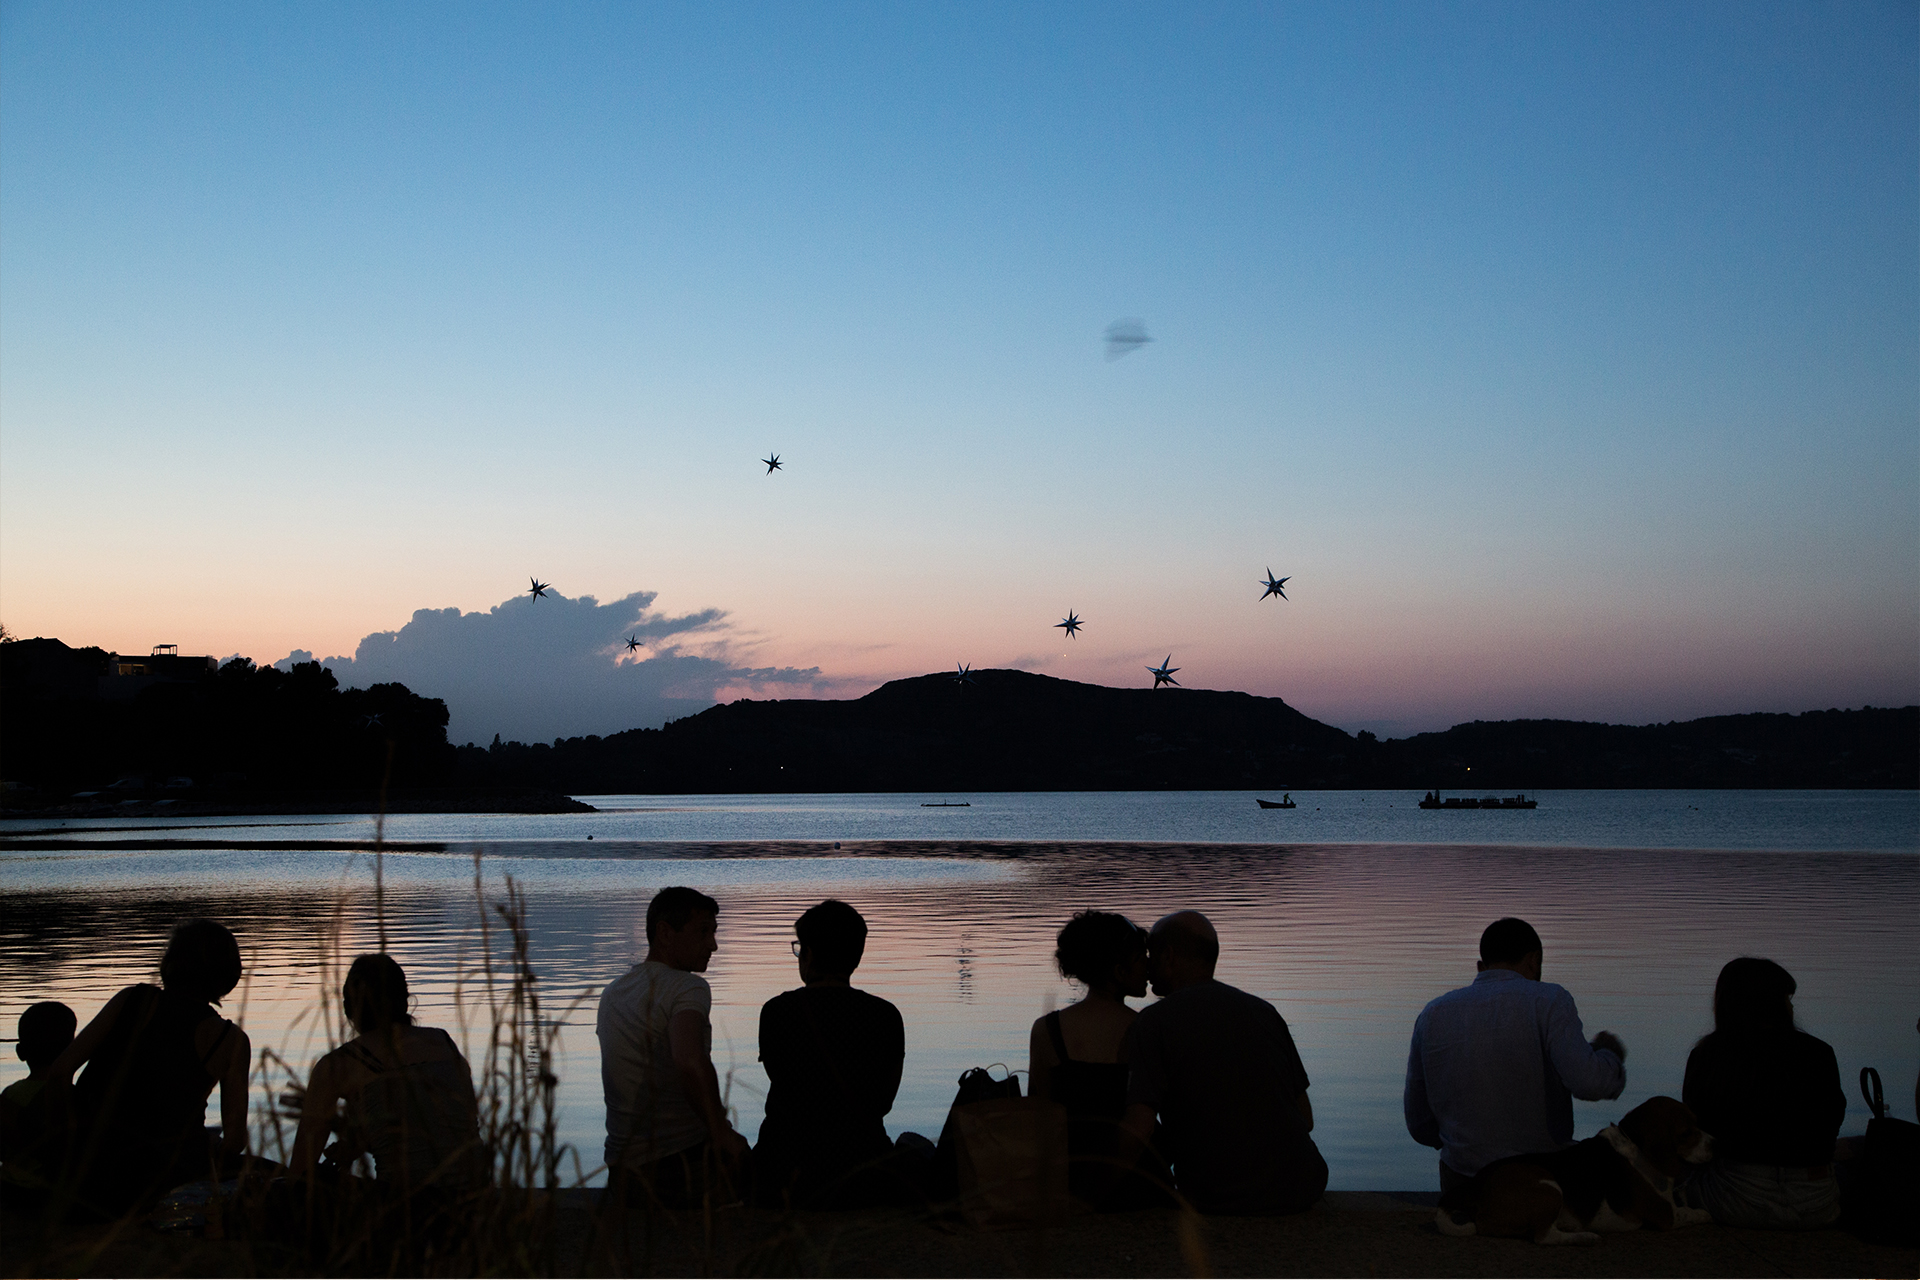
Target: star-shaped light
{"points": [[633, 642], [964, 675], [1273, 586], [1070, 624], [773, 463], [1163, 674], [539, 588]]}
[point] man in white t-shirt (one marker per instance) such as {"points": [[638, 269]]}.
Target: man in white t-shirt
{"points": [[668, 1138]]}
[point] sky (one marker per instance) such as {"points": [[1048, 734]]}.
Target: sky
{"points": [[1565, 359]]}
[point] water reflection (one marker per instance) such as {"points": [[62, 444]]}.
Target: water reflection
{"points": [[1348, 941]]}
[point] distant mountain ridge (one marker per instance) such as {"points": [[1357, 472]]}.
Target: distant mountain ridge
{"points": [[1017, 731]]}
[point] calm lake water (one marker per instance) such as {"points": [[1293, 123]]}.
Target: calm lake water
{"points": [[1349, 913]]}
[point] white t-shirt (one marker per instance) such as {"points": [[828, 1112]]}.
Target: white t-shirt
{"points": [[648, 1114]]}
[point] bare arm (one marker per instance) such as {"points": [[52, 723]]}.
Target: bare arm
{"points": [[687, 1039], [233, 1090], [317, 1109], [1039, 1061], [86, 1044]]}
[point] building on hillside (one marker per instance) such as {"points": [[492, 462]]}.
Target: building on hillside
{"points": [[128, 675]]}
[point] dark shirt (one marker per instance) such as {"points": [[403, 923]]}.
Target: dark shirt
{"points": [[142, 1100], [1772, 1098], [833, 1057], [1219, 1067]]}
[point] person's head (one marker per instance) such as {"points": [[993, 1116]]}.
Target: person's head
{"points": [[1182, 950], [1508, 943], [1753, 995], [1101, 949], [202, 961], [833, 937], [46, 1029], [375, 994], [681, 928]]}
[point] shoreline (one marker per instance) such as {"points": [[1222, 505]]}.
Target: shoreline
{"points": [[1347, 1233]]}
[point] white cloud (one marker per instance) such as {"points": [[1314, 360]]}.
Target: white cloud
{"points": [[557, 667]]}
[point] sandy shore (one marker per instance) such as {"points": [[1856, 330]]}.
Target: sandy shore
{"points": [[1350, 1233]]}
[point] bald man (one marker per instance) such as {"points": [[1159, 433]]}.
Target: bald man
{"points": [[1218, 1068]]}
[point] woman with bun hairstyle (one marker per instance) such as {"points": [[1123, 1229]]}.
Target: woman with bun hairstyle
{"points": [[398, 1092], [1077, 1056]]}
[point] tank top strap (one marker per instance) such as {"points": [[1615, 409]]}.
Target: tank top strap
{"points": [[1058, 1036]]}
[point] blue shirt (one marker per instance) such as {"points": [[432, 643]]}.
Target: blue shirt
{"points": [[1495, 1067]]}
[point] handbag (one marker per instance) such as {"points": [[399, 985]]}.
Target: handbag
{"points": [[1012, 1155], [977, 1084], [1883, 1200]]}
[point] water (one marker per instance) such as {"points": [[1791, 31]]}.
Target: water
{"points": [[1369, 908]]}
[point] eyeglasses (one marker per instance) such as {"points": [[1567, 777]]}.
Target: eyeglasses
{"points": [[795, 944]]}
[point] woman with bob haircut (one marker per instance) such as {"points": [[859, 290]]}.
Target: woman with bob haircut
{"points": [[407, 1093], [1076, 1055], [1770, 1095], [152, 1058]]}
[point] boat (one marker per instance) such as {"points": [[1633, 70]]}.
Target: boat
{"points": [[1284, 802], [946, 804], [1432, 800]]}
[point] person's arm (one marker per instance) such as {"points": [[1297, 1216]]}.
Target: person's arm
{"points": [[895, 1064], [1040, 1061], [1591, 1071], [317, 1109], [86, 1044], [687, 1040], [1305, 1104], [12, 1139], [233, 1091], [1422, 1125]]}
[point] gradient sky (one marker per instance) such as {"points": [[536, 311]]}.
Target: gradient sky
{"points": [[1566, 357]]}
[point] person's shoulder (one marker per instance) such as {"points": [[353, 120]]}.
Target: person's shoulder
{"points": [[783, 1005], [873, 1005], [1812, 1046], [21, 1093]]}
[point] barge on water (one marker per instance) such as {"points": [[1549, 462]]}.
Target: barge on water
{"points": [[1432, 800]]}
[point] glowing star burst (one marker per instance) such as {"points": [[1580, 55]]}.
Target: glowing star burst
{"points": [[1273, 586], [539, 588], [1163, 674], [963, 674], [773, 462], [633, 642], [1071, 624]]}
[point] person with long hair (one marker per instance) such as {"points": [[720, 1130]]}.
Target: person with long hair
{"points": [[397, 1091], [152, 1058], [1770, 1095]]}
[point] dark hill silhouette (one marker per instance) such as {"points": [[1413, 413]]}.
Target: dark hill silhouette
{"points": [[1014, 731]]}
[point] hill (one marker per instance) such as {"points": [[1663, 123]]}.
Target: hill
{"points": [[1015, 731]]}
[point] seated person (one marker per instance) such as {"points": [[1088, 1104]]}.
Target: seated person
{"points": [[1075, 1057], [152, 1058], [668, 1139], [833, 1056], [1219, 1068], [407, 1094], [1495, 1066], [1770, 1095], [30, 1146]]}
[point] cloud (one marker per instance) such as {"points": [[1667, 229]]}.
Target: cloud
{"points": [[558, 667]]}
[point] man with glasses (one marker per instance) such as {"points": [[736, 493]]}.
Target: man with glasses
{"points": [[833, 1057]]}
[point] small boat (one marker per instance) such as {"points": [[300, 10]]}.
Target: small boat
{"points": [[1432, 800], [1284, 802], [946, 804]]}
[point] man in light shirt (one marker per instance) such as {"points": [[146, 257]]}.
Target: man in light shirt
{"points": [[1495, 1066], [668, 1139]]}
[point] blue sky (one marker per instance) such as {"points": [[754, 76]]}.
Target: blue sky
{"points": [[1567, 358]]}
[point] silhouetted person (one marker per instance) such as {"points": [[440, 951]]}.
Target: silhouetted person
{"points": [[833, 1056], [152, 1057], [1495, 1066], [30, 1138], [407, 1093], [1076, 1056], [1219, 1068], [667, 1131], [1770, 1095]]}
